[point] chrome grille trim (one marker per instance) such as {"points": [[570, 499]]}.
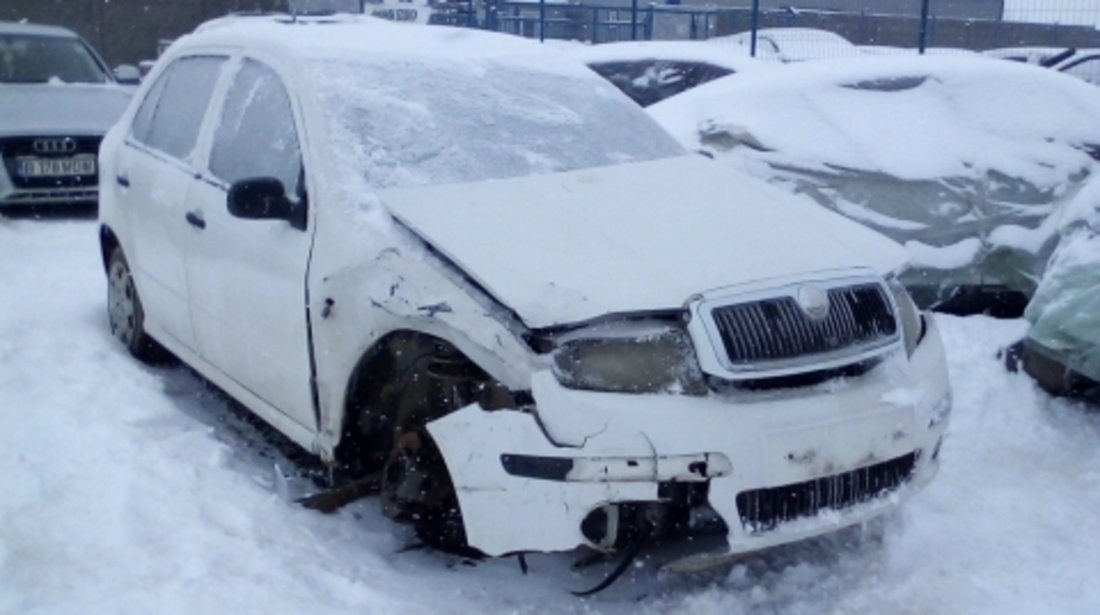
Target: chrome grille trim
{"points": [[769, 333]]}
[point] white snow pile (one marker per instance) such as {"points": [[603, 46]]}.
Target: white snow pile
{"points": [[133, 489]]}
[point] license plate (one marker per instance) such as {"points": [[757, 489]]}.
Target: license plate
{"points": [[57, 167]]}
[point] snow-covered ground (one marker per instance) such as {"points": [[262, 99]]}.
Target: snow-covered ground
{"points": [[132, 489]]}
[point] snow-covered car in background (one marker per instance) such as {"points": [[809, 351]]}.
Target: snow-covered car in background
{"points": [[1083, 64], [789, 44], [57, 100], [471, 263], [912, 147], [1062, 347], [651, 71]]}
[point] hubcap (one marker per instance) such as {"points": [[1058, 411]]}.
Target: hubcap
{"points": [[121, 308]]}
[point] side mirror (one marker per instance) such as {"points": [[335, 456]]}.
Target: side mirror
{"points": [[264, 198], [127, 74]]}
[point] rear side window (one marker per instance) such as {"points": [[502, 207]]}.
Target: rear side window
{"points": [[170, 117], [256, 136]]}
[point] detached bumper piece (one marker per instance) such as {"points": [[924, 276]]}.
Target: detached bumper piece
{"points": [[764, 509]]}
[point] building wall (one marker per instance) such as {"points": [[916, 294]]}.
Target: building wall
{"points": [[127, 31], [966, 9], [901, 31]]}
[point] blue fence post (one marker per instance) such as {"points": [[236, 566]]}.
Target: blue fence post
{"points": [[651, 15], [542, 21], [922, 36], [633, 20], [756, 26], [595, 25]]}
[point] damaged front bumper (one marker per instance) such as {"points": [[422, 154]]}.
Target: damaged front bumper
{"points": [[775, 467]]}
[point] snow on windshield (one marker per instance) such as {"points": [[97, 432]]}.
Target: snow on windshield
{"points": [[406, 122]]}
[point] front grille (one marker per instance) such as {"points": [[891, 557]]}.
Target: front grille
{"points": [[777, 329], [764, 509], [19, 147]]}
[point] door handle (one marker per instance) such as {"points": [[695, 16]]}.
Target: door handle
{"points": [[123, 180], [195, 219]]}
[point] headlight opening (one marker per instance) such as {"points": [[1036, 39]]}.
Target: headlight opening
{"points": [[658, 362]]}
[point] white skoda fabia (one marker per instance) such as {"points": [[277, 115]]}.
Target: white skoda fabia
{"points": [[471, 269]]}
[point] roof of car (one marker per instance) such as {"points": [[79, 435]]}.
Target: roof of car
{"points": [[11, 27], [356, 36]]}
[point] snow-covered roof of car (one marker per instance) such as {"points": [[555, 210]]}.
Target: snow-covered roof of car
{"points": [[344, 36], [790, 44], [9, 27], [1031, 55], [686, 51]]}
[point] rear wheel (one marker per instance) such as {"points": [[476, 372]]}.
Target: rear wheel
{"points": [[125, 312]]}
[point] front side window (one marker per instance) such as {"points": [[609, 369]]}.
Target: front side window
{"points": [[256, 136], [171, 116], [47, 59]]}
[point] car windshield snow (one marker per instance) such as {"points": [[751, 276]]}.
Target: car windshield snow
{"points": [[41, 59], [408, 123]]}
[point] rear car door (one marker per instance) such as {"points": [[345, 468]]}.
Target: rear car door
{"points": [[248, 290], [155, 169]]}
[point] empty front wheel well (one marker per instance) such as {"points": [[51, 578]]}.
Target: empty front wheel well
{"points": [[405, 380]]}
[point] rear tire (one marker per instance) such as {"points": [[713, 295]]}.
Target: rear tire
{"points": [[125, 313]]}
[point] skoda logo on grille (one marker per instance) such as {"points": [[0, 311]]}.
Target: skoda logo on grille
{"points": [[813, 301], [54, 146]]}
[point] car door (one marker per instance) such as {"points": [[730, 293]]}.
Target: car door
{"points": [[155, 169], [248, 276]]}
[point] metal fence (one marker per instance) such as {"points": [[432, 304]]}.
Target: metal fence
{"points": [[128, 30], [890, 26]]}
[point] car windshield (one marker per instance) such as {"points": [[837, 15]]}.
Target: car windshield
{"points": [[408, 123], [41, 59]]}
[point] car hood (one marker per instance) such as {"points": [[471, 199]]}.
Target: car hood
{"points": [[79, 109], [569, 247]]}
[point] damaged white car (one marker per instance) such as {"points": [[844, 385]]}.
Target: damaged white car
{"points": [[473, 268]]}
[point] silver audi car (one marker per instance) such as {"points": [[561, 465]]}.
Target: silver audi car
{"points": [[58, 100]]}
